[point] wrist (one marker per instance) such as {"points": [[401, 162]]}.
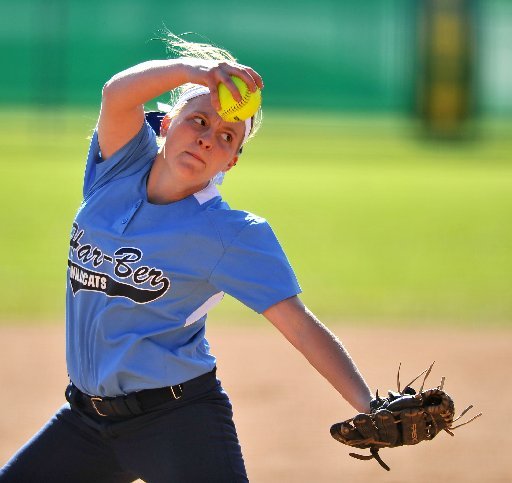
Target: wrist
{"points": [[193, 70]]}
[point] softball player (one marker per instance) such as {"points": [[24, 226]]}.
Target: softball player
{"points": [[152, 249]]}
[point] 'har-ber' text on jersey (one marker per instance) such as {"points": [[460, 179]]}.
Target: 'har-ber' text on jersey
{"points": [[130, 274]]}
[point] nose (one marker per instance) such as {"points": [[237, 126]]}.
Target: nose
{"points": [[205, 141]]}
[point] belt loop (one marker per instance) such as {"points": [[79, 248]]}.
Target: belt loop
{"points": [[95, 402], [177, 391]]}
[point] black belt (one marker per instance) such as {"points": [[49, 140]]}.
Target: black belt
{"points": [[139, 402]]}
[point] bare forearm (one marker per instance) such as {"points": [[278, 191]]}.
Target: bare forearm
{"points": [[143, 82], [329, 357], [325, 353]]}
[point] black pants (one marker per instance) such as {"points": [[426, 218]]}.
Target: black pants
{"points": [[191, 440]]}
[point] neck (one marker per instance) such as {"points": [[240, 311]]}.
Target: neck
{"points": [[163, 188]]}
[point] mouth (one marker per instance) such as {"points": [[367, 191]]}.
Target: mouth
{"points": [[195, 156]]}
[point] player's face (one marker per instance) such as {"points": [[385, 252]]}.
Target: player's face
{"points": [[199, 143]]}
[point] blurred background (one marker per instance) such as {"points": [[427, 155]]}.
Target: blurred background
{"points": [[384, 166], [384, 163]]}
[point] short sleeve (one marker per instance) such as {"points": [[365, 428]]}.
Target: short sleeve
{"points": [[254, 268], [129, 159]]}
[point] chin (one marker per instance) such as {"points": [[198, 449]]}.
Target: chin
{"points": [[190, 175]]}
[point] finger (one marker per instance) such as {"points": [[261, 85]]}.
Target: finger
{"points": [[226, 80], [246, 76], [251, 78], [256, 78], [214, 95]]}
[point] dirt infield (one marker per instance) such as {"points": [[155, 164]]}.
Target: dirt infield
{"points": [[283, 408]]}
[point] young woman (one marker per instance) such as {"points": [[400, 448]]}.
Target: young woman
{"points": [[153, 247]]}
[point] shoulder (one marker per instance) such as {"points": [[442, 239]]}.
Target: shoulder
{"points": [[135, 154], [230, 224]]}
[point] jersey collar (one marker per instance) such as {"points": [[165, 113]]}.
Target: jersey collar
{"points": [[207, 193]]}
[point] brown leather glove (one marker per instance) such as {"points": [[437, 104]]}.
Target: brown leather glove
{"points": [[405, 417]]}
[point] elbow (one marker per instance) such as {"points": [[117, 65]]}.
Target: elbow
{"points": [[109, 88], [113, 86]]}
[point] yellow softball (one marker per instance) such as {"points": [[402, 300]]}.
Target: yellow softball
{"points": [[233, 111]]}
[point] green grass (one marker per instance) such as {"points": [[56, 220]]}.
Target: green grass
{"points": [[380, 225]]}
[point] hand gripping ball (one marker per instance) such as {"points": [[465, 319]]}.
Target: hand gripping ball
{"points": [[233, 111]]}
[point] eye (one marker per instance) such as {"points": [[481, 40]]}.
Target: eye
{"points": [[227, 137], [199, 120]]}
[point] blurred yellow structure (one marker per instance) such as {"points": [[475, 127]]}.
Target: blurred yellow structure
{"points": [[446, 65]]}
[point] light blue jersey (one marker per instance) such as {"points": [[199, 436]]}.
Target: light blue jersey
{"points": [[142, 277]]}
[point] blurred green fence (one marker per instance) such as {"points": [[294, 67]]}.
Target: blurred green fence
{"points": [[337, 54]]}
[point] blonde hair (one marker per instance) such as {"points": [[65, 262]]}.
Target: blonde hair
{"points": [[177, 46]]}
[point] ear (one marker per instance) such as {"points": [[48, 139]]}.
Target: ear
{"points": [[164, 125], [231, 164]]}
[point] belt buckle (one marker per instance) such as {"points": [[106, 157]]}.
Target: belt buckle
{"points": [[93, 402], [174, 394]]}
